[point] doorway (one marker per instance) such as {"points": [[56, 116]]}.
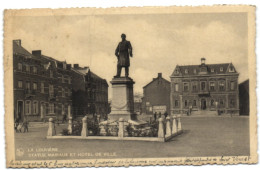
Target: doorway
{"points": [[43, 110], [203, 104], [20, 114]]}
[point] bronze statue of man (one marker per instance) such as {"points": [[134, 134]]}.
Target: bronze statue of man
{"points": [[123, 50]]}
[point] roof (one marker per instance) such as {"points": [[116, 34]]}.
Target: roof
{"points": [[155, 79], [211, 69], [17, 49]]}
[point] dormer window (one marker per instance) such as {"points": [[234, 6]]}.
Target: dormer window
{"points": [[64, 66], [221, 69], [177, 71], [212, 70], [231, 69], [186, 71]]}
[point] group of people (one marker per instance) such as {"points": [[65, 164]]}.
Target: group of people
{"points": [[21, 126], [159, 114]]}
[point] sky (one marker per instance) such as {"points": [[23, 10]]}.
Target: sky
{"points": [[159, 41]]}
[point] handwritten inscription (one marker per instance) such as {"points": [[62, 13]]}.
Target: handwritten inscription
{"points": [[128, 162]]}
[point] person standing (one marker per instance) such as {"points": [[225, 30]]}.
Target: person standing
{"points": [[155, 116]]}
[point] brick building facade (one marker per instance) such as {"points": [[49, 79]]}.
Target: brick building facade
{"points": [[156, 96], [205, 87], [42, 85], [43, 88], [91, 97]]}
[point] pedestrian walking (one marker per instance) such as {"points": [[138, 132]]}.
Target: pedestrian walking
{"points": [[155, 116], [190, 109], [165, 114]]}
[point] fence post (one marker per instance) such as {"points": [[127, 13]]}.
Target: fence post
{"points": [[84, 131], [121, 128], [168, 126], [70, 126], [179, 123], [51, 129], [174, 125], [160, 128]]}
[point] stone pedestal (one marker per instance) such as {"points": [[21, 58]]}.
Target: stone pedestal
{"points": [[122, 105]]}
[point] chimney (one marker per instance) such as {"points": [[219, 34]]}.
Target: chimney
{"points": [[159, 75], [203, 61], [37, 52], [18, 42], [76, 65]]}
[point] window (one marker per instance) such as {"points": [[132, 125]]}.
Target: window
{"points": [[69, 80], [212, 102], [62, 109], [186, 86], [176, 103], [27, 68], [28, 85], [51, 90], [51, 74], [35, 87], [20, 67], [185, 103], [231, 69], [194, 71], [221, 102], [232, 103], [20, 84], [203, 85], [212, 86], [69, 92], [62, 92], [62, 79], [177, 71], [194, 86], [194, 103], [221, 69], [212, 70], [186, 71], [35, 70], [176, 87], [35, 107], [42, 87], [232, 85], [51, 108], [28, 107], [222, 86]]}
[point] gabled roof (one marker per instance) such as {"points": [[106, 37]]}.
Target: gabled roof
{"points": [[17, 49], [211, 69], [155, 79]]}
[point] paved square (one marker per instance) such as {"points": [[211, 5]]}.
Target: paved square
{"points": [[203, 136]]}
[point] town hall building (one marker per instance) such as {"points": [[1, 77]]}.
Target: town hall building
{"points": [[205, 88]]}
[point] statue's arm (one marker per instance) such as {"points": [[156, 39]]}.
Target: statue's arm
{"points": [[130, 49], [117, 51]]}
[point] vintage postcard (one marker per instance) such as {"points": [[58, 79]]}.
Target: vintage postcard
{"points": [[93, 87]]}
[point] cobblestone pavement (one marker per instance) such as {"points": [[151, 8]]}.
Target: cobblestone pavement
{"points": [[212, 136]]}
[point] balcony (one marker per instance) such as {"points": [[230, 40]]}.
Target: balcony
{"points": [[52, 97], [204, 93], [29, 93]]}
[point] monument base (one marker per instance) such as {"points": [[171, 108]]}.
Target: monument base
{"points": [[122, 105]]}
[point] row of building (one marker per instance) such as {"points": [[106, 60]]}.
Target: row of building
{"points": [[202, 88], [45, 87]]}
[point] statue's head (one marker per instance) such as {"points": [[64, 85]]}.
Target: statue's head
{"points": [[123, 36]]}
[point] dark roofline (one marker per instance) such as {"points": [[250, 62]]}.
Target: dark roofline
{"points": [[155, 80]]}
